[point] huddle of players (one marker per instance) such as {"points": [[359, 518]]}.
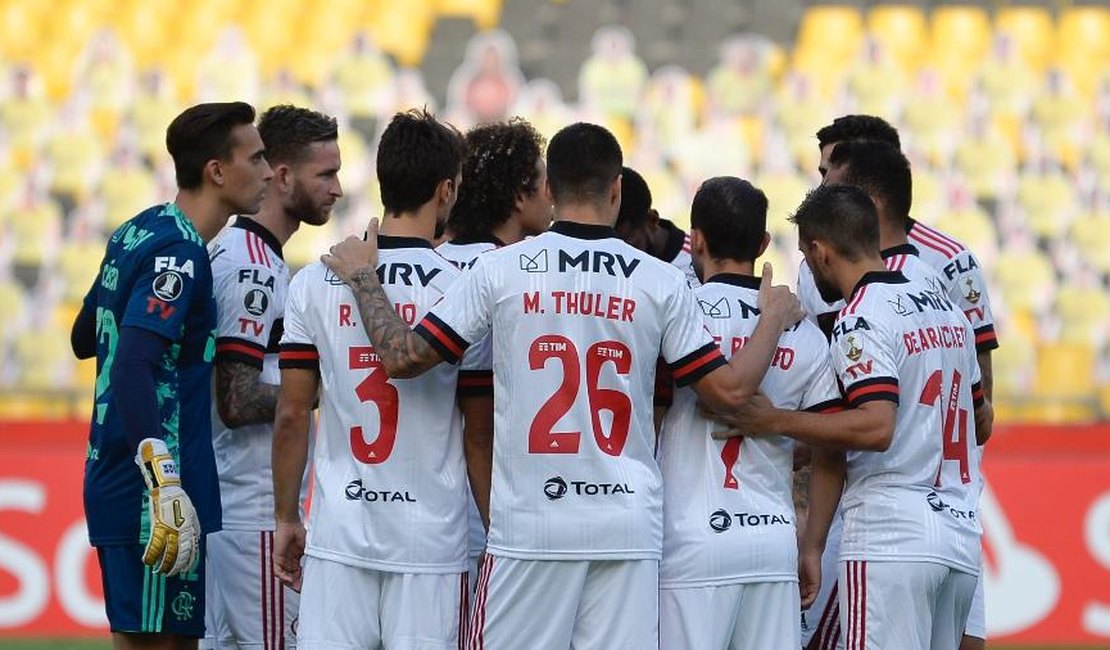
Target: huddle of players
{"points": [[588, 540]]}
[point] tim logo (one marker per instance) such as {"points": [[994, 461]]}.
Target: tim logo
{"points": [[720, 520], [534, 264], [554, 488]]}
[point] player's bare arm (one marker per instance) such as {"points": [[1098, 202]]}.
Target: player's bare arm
{"points": [[82, 337], [868, 427], [403, 353], [241, 397], [826, 484], [290, 455], [477, 412], [984, 422], [731, 386]]}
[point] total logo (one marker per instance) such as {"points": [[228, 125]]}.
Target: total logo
{"points": [[721, 520], [356, 492], [556, 488], [938, 505]]}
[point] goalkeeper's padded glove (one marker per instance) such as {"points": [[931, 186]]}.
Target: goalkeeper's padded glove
{"points": [[174, 545]]}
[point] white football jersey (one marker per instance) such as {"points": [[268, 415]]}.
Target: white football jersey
{"points": [[678, 252], [250, 283], [390, 489], [904, 258], [578, 319], [463, 254], [902, 341], [728, 513], [963, 277]]}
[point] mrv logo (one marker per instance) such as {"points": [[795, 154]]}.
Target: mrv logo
{"points": [[557, 487], [356, 492], [721, 520]]}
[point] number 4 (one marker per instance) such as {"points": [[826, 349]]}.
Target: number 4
{"points": [[954, 448]]}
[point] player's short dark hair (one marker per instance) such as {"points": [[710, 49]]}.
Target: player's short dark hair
{"points": [[635, 200], [731, 215], [583, 160], [202, 133], [880, 169], [500, 165], [858, 127], [287, 131], [842, 216], [416, 153]]}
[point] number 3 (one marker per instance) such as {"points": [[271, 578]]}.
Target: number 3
{"points": [[377, 389]]}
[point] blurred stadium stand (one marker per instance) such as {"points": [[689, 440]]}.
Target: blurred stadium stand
{"points": [[1004, 109]]}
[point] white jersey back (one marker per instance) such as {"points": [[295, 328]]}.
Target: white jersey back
{"points": [[390, 488], [904, 258], [903, 341], [250, 282], [578, 319], [963, 278], [728, 514], [463, 254]]}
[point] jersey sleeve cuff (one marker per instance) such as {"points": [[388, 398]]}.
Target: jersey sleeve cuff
{"points": [[440, 336], [828, 406], [475, 383], [240, 351], [985, 339], [697, 364], [874, 389], [299, 355], [978, 396]]}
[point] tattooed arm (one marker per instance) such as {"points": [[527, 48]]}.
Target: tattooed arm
{"points": [[241, 398], [403, 352]]}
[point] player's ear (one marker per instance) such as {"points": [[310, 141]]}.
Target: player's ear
{"points": [[653, 218], [697, 241], [214, 171], [283, 178], [615, 193], [762, 246]]}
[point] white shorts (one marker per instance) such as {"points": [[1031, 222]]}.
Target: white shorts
{"points": [[977, 617], [821, 622], [555, 605], [351, 607], [245, 605], [756, 615], [903, 605]]}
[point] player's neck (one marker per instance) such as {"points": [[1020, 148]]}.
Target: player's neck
{"points": [[509, 232], [584, 213], [420, 223], [273, 217], [891, 234], [207, 213], [851, 273], [711, 267]]}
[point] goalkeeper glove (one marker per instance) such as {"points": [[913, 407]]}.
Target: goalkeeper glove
{"points": [[174, 545]]}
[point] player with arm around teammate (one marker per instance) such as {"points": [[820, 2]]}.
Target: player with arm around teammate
{"points": [[385, 564], [909, 555], [578, 320], [729, 574], [151, 492], [246, 604]]}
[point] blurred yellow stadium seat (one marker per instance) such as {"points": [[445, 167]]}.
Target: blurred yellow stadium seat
{"points": [[403, 29], [1091, 234], [1065, 382], [829, 38], [1084, 313], [1032, 29], [484, 13], [958, 35], [902, 29]]}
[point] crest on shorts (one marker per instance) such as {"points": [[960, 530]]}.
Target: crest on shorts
{"points": [[182, 605], [854, 351]]}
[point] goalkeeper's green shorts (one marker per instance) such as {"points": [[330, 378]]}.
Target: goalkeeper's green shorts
{"points": [[140, 601]]}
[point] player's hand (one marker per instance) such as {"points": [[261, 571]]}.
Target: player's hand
{"points": [[809, 575], [174, 544], [288, 551], [353, 254], [777, 301], [753, 418]]}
